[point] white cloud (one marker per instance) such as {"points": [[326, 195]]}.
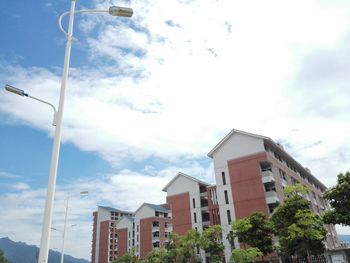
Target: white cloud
{"points": [[173, 80], [7, 175], [21, 186], [125, 189]]}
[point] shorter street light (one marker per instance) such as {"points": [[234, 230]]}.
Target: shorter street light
{"points": [[21, 92], [65, 222]]}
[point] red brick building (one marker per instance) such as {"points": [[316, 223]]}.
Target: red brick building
{"points": [[250, 173]]}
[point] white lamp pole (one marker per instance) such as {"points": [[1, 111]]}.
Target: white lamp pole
{"points": [[57, 122], [45, 234]]}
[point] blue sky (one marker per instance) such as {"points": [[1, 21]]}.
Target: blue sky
{"points": [[152, 95]]}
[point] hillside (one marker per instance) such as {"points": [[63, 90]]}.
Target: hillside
{"points": [[19, 252]]}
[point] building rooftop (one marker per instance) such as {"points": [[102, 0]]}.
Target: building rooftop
{"points": [[275, 146], [158, 208], [111, 209], [184, 175]]}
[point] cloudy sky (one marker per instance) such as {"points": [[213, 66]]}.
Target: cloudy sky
{"points": [[152, 95]]}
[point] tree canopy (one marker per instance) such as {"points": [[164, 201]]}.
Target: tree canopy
{"points": [[247, 255], [256, 231], [2, 257], [339, 200], [210, 241], [299, 230]]}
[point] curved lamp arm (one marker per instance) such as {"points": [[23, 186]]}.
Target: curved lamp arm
{"points": [[113, 11], [20, 92]]}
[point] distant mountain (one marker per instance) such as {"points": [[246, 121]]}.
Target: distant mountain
{"points": [[345, 238], [19, 252]]}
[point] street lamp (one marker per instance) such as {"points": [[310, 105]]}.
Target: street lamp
{"points": [[45, 234], [22, 93], [65, 222], [47, 220]]}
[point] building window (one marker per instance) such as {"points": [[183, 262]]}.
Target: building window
{"points": [[223, 178], [283, 175], [194, 203], [228, 216], [157, 213], [195, 217], [270, 187], [226, 197], [137, 228], [294, 181], [155, 244], [155, 224]]}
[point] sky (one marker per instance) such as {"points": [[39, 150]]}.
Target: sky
{"points": [[150, 96]]}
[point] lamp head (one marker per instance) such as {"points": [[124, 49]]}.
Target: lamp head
{"points": [[120, 11], [15, 90], [84, 192]]}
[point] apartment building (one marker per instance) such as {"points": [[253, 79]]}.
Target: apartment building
{"points": [[250, 173], [104, 234]]}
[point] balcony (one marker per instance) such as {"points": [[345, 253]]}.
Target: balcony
{"points": [[155, 244], [155, 236], [267, 176], [168, 227], [204, 202], [271, 197]]}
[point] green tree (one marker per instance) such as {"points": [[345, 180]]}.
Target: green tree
{"points": [[299, 230], [157, 256], [183, 249], [256, 231], [2, 257], [189, 247], [245, 255], [339, 199], [128, 257], [210, 241]]}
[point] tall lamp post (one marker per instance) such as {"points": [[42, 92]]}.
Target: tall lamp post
{"points": [[45, 234]]}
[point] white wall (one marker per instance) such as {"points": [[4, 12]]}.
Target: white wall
{"points": [[182, 184], [238, 145]]}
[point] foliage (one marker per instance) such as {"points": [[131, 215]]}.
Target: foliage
{"points": [[300, 231], [339, 199], [255, 231], [157, 256], [189, 245], [128, 257], [245, 255], [2, 257], [185, 249], [182, 249], [210, 242]]}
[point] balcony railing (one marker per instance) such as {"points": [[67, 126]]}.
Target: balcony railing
{"points": [[267, 176], [271, 197]]}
